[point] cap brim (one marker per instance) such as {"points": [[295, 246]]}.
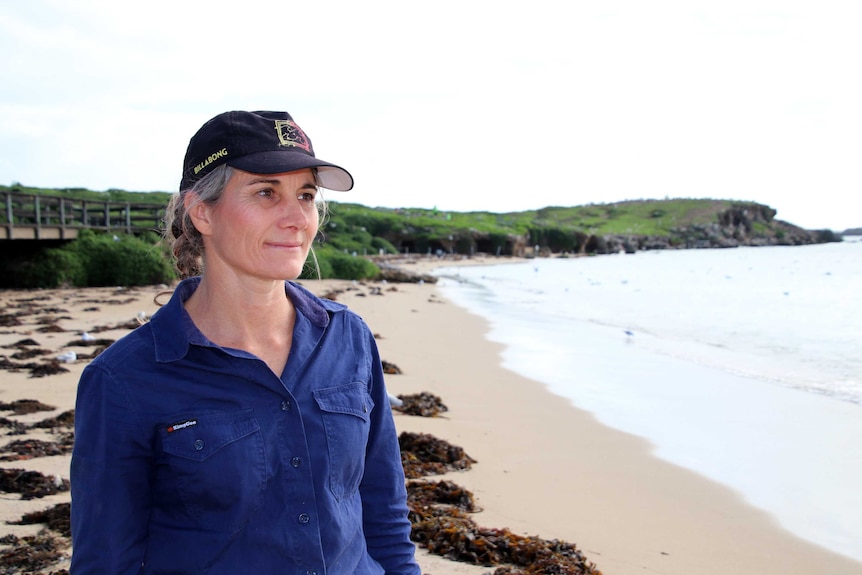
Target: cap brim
{"points": [[329, 176]]}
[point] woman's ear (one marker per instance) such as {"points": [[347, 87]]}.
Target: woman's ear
{"points": [[199, 213]]}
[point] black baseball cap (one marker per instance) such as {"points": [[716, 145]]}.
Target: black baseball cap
{"points": [[260, 143]]}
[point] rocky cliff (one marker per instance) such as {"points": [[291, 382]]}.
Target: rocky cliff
{"points": [[742, 225]]}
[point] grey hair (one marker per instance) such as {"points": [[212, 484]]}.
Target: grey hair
{"points": [[185, 240], [187, 244]]}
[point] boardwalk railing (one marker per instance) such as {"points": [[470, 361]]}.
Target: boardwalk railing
{"points": [[39, 217]]}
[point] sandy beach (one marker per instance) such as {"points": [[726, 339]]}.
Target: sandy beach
{"points": [[544, 467]]}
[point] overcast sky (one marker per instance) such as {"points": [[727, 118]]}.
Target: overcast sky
{"points": [[464, 105]]}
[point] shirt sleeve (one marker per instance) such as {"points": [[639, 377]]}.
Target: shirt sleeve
{"points": [[110, 479], [384, 495]]}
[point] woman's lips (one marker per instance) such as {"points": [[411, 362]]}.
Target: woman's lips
{"points": [[297, 244]]}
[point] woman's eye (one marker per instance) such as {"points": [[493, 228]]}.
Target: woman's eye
{"points": [[265, 193], [306, 197]]}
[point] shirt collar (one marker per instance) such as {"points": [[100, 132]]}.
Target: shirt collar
{"points": [[174, 331]]}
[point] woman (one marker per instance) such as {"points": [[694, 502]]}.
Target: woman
{"points": [[245, 428]]}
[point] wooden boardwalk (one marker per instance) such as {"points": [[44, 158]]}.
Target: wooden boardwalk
{"points": [[42, 217]]}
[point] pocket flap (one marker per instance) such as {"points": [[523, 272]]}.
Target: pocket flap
{"points": [[198, 437], [350, 399]]}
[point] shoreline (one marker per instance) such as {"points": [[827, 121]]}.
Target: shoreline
{"points": [[547, 468], [544, 468], [725, 395]]}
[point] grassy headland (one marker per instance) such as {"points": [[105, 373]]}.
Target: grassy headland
{"points": [[353, 230]]}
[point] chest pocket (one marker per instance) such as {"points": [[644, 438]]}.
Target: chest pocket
{"points": [[215, 465], [346, 413]]}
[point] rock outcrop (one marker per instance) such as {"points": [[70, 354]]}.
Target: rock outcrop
{"points": [[741, 225]]}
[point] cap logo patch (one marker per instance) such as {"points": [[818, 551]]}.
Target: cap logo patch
{"points": [[210, 159], [291, 135]]}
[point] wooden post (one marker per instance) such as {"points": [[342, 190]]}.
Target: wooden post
{"points": [[62, 219], [38, 213], [9, 215]]}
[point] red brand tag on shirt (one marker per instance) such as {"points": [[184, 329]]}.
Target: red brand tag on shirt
{"points": [[182, 425]]}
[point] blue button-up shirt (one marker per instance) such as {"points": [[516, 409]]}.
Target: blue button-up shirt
{"points": [[193, 458]]}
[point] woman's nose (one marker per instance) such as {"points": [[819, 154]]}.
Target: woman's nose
{"points": [[293, 215]]}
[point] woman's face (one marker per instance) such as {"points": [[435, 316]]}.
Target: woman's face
{"points": [[263, 225]]}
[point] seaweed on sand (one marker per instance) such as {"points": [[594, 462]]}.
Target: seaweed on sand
{"points": [[31, 484], [438, 514], [423, 454], [423, 404], [57, 518], [30, 448], [458, 538], [22, 406], [32, 554], [65, 419], [48, 368], [423, 497]]}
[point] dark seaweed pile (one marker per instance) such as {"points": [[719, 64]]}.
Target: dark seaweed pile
{"points": [[390, 368], [422, 404], [423, 454], [32, 553], [428, 498], [23, 406], [56, 518], [440, 522], [31, 484]]}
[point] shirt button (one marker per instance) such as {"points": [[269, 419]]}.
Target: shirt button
{"points": [[199, 444], [304, 518], [285, 405], [311, 572], [295, 461]]}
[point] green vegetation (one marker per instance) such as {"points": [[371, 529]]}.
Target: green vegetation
{"points": [[95, 259], [365, 230], [332, 263], [112, 195], [100, 259], [353, 235]]}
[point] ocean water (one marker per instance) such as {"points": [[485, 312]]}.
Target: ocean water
{"points": [[744, 365]]}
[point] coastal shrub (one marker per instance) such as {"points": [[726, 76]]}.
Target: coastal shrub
{"points": [[121, 260], [357, 240], [332, 263], [94, 259], [322, 270], [352, 267], [53, 268], [379, 243]]}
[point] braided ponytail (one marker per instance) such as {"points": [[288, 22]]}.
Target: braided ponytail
{"points": [[185, 240]]}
